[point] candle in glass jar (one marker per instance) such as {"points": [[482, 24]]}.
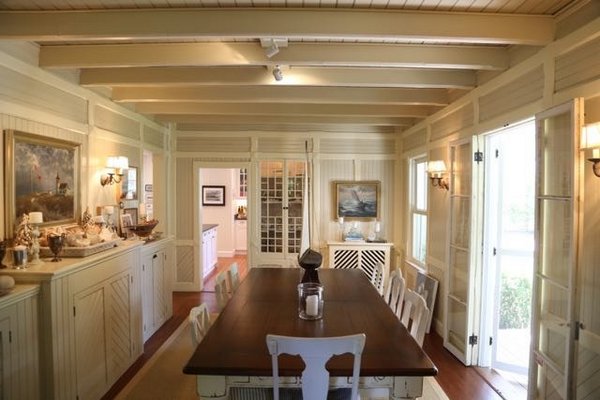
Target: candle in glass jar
{"points": [[312, 305], [36, 217]]}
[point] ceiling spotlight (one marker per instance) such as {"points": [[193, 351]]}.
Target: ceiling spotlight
{"points": [[272, 50], [277, 74], [272, 45]]}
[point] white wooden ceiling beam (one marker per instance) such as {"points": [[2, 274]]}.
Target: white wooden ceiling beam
{"points": [[283, 127], [273, 22], [361, 77], [366, 110], [284, 119], [246, 54], [282, 94]]}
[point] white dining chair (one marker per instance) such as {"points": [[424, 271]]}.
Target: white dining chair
{"points": [[200, 321], [221, 291], [233, 277], [377, 277], [315, 353], [394, 294], [414, 315]]}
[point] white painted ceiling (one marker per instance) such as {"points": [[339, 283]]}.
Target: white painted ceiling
{"points": [[364, 65]]}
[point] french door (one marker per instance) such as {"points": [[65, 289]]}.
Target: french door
{"points": [[555, 327], [460, 336]]}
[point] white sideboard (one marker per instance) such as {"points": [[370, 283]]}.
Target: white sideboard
{"points": [[90, 320], [361, 255], [209, 248], [19, 350]]}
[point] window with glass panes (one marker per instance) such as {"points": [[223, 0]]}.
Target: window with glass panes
{"points": [[418, 210]]}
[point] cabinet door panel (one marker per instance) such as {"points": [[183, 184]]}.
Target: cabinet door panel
{"points": [[120, 349], [159, 282], [90, 343]]}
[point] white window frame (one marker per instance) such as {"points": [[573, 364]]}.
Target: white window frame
{"points": [[414, 210]]}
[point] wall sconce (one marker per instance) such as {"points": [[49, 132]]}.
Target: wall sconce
{"points": [[115, 165], [436, 170], [590, 139]]}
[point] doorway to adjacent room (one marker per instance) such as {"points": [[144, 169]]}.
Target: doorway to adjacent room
{"points": [[508, 263]]}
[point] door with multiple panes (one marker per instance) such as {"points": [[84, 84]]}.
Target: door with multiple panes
{"points": [[281, 206]]}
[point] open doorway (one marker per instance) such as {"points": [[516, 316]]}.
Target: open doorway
{"points": [[223, 220], [508, 263]]}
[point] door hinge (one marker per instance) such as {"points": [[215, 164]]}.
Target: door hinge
{"points": [[578, 326], [9, 336], [491, 340], [478, 156], [497, 153], [74, 311], [495, 251], [472, 340]]}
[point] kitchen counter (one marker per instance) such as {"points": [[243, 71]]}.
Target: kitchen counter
{"points": [[207, 227]]}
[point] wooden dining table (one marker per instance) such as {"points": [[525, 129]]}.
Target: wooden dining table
{"points": [[233, 355]]}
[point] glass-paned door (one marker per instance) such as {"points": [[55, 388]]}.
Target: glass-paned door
{"points": [[553, 328], [281, 197], [459, 336]]}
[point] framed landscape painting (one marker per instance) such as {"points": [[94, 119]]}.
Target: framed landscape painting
{"points": [[41, 174], [358, 200]]}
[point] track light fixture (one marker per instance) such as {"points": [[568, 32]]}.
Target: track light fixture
{"points": [[277, 74], [272, 45]]}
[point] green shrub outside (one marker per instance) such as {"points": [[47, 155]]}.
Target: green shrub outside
{"points": [[515, 298]]}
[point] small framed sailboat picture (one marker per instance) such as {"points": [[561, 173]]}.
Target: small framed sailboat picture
{"points": [[358, 200]]}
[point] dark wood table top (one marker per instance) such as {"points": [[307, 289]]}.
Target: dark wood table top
{"points": [[266, 302]]}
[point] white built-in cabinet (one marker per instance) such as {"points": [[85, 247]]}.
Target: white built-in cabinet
{"points": [[19, 335], [209, 248], [157, 300], [241, 235], [361, 255], [106, 310]]}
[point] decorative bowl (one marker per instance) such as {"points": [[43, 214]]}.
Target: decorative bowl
{"points": [[143, 230]]}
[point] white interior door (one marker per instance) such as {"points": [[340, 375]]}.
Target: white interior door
{"points": [[557, 212], [460, 336]]}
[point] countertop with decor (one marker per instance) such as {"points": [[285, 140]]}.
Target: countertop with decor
{"points": [[51, 270]]}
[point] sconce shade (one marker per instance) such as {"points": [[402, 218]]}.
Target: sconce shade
{"points": [[36, 217], [116, 165], [117, 162], [436, 168]]}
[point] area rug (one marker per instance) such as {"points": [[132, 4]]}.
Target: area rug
{"points": [[162, 377]]}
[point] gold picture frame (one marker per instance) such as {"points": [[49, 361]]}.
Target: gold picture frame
{"points": [[41, 174], [357, 200]]}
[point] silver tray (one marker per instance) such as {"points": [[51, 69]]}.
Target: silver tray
{"points": [[80, 251]]}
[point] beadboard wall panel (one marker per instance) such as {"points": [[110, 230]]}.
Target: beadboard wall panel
{"points": [[416, 140], [112, 121], [357, 146], [212, 144], [154, 137], [520, 92], [284, 144], [453, 122], [578, 66], [382, 171], [24, 90]]}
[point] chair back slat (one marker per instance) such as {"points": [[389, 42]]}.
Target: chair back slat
{"points": [[414, 315]]}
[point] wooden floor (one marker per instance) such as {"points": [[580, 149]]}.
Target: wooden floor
{"points": [[459, 382]]}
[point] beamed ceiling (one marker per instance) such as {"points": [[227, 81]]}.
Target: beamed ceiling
{"points": [[364, 65]]}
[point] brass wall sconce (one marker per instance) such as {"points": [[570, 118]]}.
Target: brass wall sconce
{"points": [[115, 165], [590, 139], [436, 170]]}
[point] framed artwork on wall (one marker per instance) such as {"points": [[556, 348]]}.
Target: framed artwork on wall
{"points": [[357, 200], [213, 195], [41, 174], [129, 184]]}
